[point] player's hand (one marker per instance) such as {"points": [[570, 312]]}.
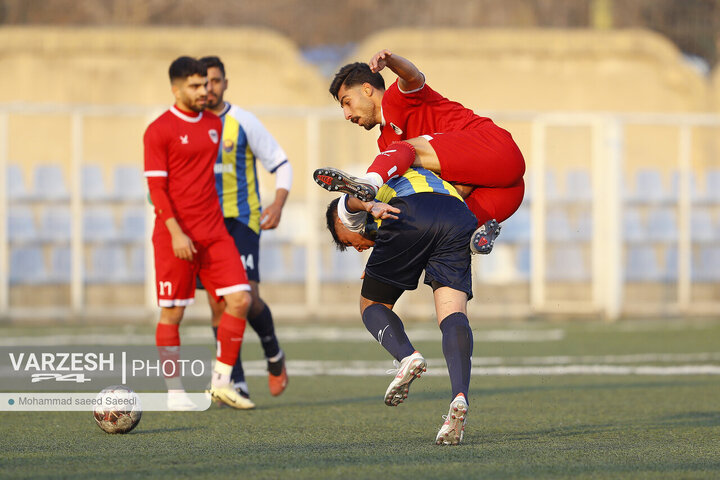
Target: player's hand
{"points": [[270, 217], [379, 60], [383, 210], [183, 247]]}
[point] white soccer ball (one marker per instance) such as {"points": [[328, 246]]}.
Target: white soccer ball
{"points": [[117, 409]]}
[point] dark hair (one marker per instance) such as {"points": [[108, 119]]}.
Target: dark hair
{"points": [[183, 67], [213, 62], [355, 74], [330, 216]]}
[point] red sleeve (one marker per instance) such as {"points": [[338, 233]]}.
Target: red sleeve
{"points": [[156, 172]]}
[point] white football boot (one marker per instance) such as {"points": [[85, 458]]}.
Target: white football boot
{"points": [[230, 396], [408, 370], [452, 431]]}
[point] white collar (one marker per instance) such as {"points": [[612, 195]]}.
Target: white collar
{"points": [[184, 116]]}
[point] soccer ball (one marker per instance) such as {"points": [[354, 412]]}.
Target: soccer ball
{"points": [[117, 409]]}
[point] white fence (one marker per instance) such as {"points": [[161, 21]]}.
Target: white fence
{"points": [[525, 257]]}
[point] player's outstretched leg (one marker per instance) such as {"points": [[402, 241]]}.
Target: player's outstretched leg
{"points": [[452, 431], [483, 239], [334, 180], [410, 368]]}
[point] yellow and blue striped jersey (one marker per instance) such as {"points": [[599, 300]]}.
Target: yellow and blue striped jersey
{"points": [[415, 180], [244, 140]]}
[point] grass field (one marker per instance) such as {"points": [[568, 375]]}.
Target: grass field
{"points": [[548, 400]]}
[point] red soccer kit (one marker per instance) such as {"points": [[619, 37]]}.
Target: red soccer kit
{"points": [[180, 151], [472, 150]]}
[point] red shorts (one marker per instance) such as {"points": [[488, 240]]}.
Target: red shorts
{"points": [[217, 263], [487, 158]]}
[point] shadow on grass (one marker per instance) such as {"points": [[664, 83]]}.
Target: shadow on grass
{"points": [[697, 419]]}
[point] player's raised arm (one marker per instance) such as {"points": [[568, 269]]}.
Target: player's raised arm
{"points": [[409, 77]]}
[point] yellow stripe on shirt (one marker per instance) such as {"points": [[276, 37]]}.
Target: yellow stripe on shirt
{"points": [[229, 175]]}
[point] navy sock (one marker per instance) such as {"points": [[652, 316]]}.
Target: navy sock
{"points": [[262, 323], [388, 330], [457, 345], [238, 374]]}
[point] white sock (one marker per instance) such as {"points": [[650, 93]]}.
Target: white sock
{"points": [[374, 178], [221, 374], [174, 384]]}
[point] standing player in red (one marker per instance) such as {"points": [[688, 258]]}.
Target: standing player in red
{"points": [[419, 127], [190, 238]]}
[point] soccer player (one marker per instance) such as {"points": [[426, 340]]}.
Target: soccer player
{"points": [[424, 225], [243, 141], [189, 238], [420, 127]]}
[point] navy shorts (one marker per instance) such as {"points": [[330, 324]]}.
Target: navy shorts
{"points": [[247, 243], [432, 234]]}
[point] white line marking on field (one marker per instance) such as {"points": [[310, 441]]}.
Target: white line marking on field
{"points": [[436, 367], [195, 334]]}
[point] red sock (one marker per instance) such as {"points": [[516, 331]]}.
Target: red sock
{"points": [[394, 161], [229, 338], [167, 340]]}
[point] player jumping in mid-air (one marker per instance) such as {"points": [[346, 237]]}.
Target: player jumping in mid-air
{"points": [[243, 141], [420, 127], [190, 238], [424, 226]]}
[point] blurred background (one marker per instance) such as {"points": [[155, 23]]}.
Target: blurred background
{"points": [[615, 105]]}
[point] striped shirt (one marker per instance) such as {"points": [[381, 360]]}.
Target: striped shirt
{"points": [[244, 140]]}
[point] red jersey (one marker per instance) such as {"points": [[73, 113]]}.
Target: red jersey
{"points": [[182, 149], [422, 112]]}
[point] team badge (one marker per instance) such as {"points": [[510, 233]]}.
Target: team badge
{"points": [[398, 130], [228, 145], [184, 139], [213, 135]]}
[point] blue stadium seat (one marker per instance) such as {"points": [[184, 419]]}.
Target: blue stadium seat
{"points": [[282, 263], [99, 224], [567, 263], [633, 225], [60, 264], [641, 264], [93, 185], [108, 264], [133, 223], [706, 268], [649, 187], [21, 224], [701, 226], [27, 266], [662, 225], [578, 185], [712, 185], [129, 183], [516, 229], [50, 183], [136, 270], [55, 223], [16, 184], [522, 261], [345, 266], [558, 227]]}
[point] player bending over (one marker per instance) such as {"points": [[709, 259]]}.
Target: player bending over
{"points": [[423, 226], [420, 127]]}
